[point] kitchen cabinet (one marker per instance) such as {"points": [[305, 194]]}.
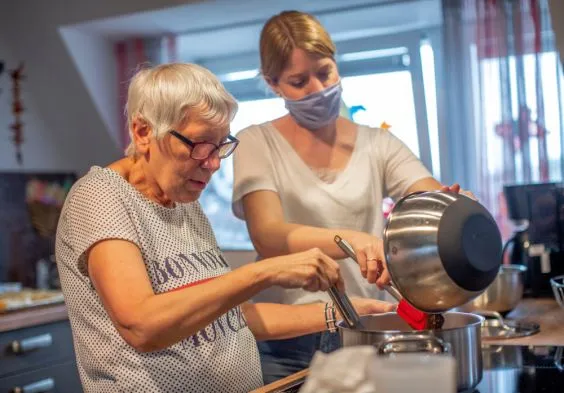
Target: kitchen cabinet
{"points": [[36, 352]]}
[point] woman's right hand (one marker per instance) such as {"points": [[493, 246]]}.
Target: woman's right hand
{"points": [[369, 252], [311, 270]]}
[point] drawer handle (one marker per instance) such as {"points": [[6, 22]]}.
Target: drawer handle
{"points": [[42, 386], [32, 343]]}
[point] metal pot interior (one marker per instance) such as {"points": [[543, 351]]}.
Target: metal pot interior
{"points": [[392, 322]]}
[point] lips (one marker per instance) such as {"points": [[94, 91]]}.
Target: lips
{"points": [[199, 183]]}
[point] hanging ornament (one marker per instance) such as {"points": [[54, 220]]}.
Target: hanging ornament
{"points": [[1, 70], [17, 109]]}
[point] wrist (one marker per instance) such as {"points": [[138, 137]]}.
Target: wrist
{"points": [[266, 273], [262, 275], [331, 317]]}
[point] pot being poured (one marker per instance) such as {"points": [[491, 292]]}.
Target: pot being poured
{"points": [[442, 249]]}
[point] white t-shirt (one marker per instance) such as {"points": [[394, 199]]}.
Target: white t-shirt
{"points": [[179, 249], [380, 165]]}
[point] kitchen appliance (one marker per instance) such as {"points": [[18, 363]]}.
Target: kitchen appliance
{"points": [[557, 284], [537, 210], [506, 369], [442, 249]]}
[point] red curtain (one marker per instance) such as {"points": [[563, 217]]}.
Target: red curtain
{"points": [[132, 54], [512, 75]]}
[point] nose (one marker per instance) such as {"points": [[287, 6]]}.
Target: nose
{"points": [[315, 85], [213, 162]]}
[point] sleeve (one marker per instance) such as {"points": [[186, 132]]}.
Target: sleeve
{"points": [[402, 168], [252, 168], [95, 212]]}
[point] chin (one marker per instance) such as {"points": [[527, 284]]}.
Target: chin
{"points": [[192, 196]]}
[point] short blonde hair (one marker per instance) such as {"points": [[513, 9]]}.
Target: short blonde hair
{"points": [[286, 31], [166, 95]]}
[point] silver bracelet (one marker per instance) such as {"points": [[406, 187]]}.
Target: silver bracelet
{"points": [[330, 318]]}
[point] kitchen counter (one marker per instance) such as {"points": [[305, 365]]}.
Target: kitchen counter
{"points": [[544, 311], [32, 317], [284, 384]]}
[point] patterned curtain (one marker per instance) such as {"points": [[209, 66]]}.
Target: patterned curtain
{"points": [[132, 54], [504, 82]]}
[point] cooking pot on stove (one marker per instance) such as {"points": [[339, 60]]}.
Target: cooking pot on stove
{"points": [[442, 249], [459, 337]]}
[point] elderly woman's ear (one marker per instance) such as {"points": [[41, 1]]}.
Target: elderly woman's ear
{"points": [[141, 134]]}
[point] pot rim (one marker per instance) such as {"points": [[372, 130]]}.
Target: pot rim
{"points": [[478, 322]]}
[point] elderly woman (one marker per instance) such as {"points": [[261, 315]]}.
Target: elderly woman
{"points": [[153, 304]]}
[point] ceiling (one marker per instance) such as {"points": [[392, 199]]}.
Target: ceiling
{"points": [[217, 28]]}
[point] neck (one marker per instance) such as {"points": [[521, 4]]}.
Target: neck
{"points": [[135, 172], [327, 134]]}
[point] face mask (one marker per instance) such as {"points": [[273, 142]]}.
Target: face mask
{"points": [[318, 109]]}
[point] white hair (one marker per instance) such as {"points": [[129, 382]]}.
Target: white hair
{"points": [[166, 95]]}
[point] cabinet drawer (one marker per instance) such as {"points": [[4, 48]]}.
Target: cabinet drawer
{"points": [[60, 378], [34, 347]]}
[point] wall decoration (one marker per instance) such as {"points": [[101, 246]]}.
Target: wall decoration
{"points": [[1, 70], [17, 109]]}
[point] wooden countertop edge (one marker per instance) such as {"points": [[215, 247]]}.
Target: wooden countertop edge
{"points": [[283, 383], [32, 317]]}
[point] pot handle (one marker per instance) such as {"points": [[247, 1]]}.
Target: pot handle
{"points": [[494, 315], [489, 314], [424, 343], [346, 308]]}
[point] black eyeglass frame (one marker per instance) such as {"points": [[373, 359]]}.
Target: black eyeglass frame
{"points": [[231, 140]]}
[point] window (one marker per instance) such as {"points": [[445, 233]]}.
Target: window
{"points": [[384, 97], [230, 231], [552, 84]]}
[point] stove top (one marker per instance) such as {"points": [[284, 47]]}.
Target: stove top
{"points": [[510, 369], [520, 369]]}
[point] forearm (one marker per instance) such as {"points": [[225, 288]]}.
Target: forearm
{"points": [[164, 319], [270, 321], [286, 238], [426, 184]]}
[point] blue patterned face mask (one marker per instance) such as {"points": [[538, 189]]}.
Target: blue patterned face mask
{"points": [[318, 109]]}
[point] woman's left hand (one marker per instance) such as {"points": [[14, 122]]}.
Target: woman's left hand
{"points": [[457, 190], [366, 306]]}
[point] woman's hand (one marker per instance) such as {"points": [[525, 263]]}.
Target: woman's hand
{"points": [[311, 270], [365, 306], [457, 190], [369, 252]]}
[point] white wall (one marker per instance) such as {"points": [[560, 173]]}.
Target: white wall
{"points": [[64, 129], [40, 150], [93, 56]]}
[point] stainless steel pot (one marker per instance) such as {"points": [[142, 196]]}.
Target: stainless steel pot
{"points": [[503, 294], [442, 249], [460, 337], [497, 357]]}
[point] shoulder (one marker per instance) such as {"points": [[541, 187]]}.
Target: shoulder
{"points": [[373, 133], [98, 191], [97, 183], [254, 132]]}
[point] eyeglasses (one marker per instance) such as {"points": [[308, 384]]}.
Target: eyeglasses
{"points": [[203, 150]]}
